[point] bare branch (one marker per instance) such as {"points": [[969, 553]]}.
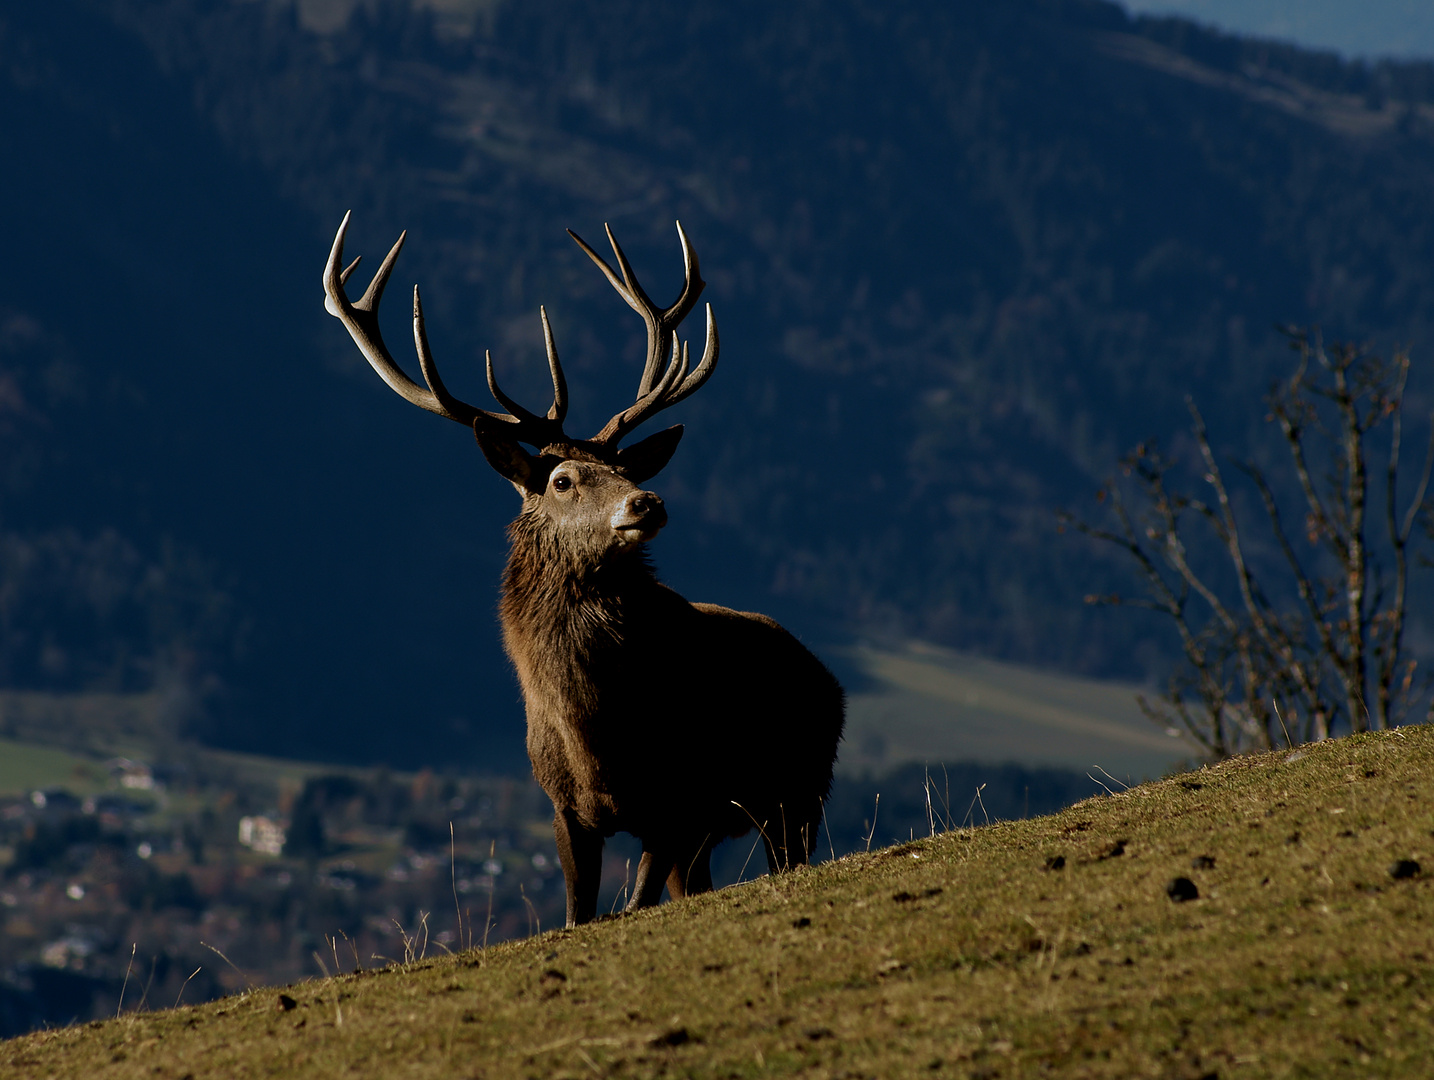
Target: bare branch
{"points": [[1321, 641]]}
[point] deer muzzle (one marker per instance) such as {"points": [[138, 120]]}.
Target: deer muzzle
{"points": [[639, 517]]}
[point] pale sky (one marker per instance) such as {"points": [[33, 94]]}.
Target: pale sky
{"points": [[1366, 28]]}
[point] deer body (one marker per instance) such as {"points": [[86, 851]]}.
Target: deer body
{"points": [[682, 724]]}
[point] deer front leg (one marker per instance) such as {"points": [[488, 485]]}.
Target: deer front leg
{"points": [[580, 852], [652, 870]]}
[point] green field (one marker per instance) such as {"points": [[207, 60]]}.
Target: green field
{"points": [[1041, 947], [925, 704], [25, 767]]}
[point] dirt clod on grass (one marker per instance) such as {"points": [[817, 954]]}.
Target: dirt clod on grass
{"points": [[1182, 889]]}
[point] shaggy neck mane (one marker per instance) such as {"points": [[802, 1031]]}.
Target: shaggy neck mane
{"points": [[553, 593]]}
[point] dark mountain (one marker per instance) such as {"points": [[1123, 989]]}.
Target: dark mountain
{"points": [[961, 254]]}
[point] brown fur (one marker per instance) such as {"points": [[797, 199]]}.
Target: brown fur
{"points": [[682, 724]]}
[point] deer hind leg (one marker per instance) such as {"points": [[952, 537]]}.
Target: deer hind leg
{"points": [[692, 873], [652, 869], [776, 853], [580, 852]]}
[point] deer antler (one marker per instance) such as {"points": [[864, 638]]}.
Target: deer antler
{"points": [[656, 392], [360, 319]]}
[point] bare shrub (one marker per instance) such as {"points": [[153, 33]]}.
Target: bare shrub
{"points": [[1293, 626]]}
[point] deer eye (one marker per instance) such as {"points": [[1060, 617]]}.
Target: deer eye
{"points": [[562, 483]]}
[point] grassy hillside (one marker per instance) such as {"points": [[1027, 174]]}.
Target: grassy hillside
{"points": [[1049, 944], [99, 874]]}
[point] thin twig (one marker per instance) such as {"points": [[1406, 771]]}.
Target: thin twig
{"points": [[492, 882], [701, 851], [353, 948], [247, 981], [926, 787], [619, 897], [185, 984], [453, 880], [749, 858], [1098, 780], [124, 985], [1276, 706], [1117, 780], [830, 843], [147, 983], [971, 810], [755, 822]]}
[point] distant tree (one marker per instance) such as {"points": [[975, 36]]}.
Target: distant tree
{"points": [[305, 837], [1290, 632]]}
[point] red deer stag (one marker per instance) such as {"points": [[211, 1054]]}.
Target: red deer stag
{"points": [[682, 724]]}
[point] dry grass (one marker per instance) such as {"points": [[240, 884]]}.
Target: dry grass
{"points": [[968, 954]]}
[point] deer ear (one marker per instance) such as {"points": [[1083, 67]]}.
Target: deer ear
{"points": [[509, 459], [644, 460]]}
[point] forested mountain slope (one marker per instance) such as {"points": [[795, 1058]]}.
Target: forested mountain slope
{"points": [[961, 256]]}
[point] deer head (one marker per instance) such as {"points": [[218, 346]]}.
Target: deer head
{"points": [[565, 472]]}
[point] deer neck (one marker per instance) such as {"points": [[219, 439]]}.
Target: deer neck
{"points": [[565, 619]]}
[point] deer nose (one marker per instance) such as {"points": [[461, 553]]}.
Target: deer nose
{"points": [[639, 516], [642, 503]]}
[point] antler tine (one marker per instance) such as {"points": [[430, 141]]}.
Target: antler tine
{"points": [[559, 409], [692, 283], [360, 318], [671, 375], [661, 385], [373, 295], [522, 415], [531, 428], [675, 385], [646, 405], [452, 407], [705, 366], [608, 272], [334, 279], [628, 288], [629, 278]]}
